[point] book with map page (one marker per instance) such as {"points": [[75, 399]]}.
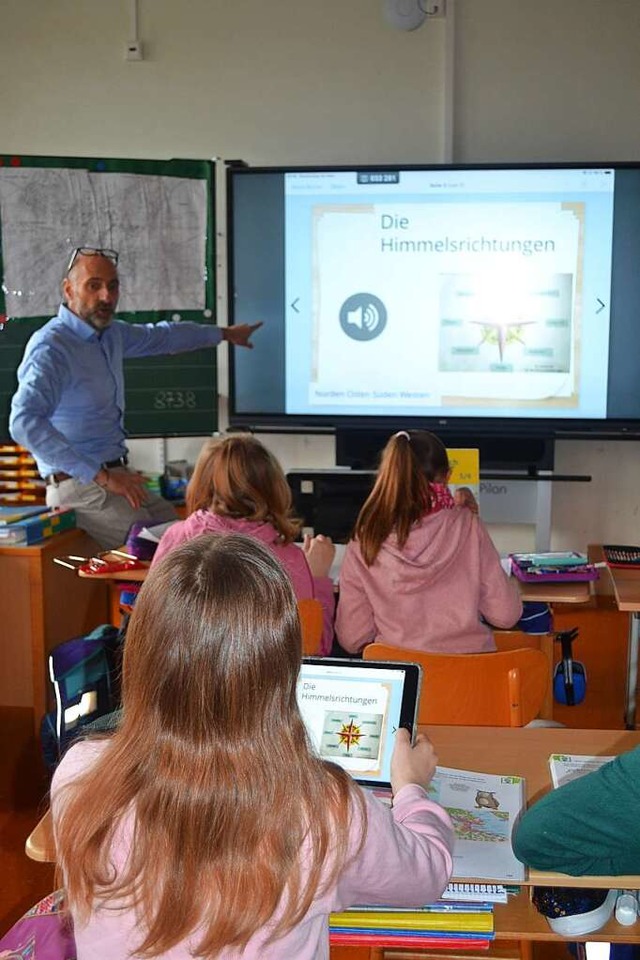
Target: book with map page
{"points": [[483, 808]]}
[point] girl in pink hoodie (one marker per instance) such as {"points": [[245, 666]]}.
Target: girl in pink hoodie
{"points": [[238, 487], [206, 826], [421, 571]]}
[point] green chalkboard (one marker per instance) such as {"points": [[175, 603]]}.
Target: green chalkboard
{"points": [[159, 215]]}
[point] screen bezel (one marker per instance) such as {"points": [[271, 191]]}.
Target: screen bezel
{"points": [[466, 426], [410, 695]]}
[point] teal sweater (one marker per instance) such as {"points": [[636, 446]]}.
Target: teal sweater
{"points": [[589, 826]]}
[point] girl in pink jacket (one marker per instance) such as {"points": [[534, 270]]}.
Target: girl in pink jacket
{"points": [[421, 571], [238, 487], [206, 826]]}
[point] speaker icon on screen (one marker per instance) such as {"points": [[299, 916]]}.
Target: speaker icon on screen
{"points": [[363, 316]]}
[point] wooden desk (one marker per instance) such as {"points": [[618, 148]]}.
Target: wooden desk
{"points": [[577, 591], [499, 750], [525, 751], [571, 592], [41, 605], [113, 582], [40, 845], [625, 585]]}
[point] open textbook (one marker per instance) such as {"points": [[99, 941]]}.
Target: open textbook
{"points": [[567, 767], [154, 533], [483, 808]]}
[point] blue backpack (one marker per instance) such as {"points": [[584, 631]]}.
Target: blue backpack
{"points": [[85, 673]]}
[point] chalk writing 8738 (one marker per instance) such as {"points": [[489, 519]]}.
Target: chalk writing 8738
{"points": [[175, 400]]}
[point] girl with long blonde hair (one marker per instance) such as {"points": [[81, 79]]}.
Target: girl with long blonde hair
{"points": [[421, 571], [238, 486], [206, 826]]}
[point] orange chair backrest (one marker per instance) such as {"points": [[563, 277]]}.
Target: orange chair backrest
{"points": [[504, 689], [517, 639], [311, 622]]}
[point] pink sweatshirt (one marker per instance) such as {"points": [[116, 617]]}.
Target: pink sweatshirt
{"points": [[290, 555], [430, 594], [405, 861]]}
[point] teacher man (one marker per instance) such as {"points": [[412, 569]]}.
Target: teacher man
{"points": [[68, 409]]}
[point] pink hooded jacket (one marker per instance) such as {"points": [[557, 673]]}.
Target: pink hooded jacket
{"points": [[405, 861], [305, 585], [429, 594]]}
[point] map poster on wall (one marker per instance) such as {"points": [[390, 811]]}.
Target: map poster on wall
{"points": [[158, 225]]}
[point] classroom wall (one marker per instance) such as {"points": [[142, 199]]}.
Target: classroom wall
{"points": [[301, 82], [290, 81], [547, 80]]}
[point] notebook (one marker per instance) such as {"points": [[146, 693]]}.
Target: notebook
{"points": [[353, 708]]}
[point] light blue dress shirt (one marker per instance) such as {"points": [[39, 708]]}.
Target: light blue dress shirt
{"points": [[69, 405]]}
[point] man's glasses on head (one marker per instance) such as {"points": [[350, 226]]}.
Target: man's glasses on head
{"points": [[92, 252]]}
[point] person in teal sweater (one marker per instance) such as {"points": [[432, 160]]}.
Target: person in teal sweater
{"points": [[588, 826]]}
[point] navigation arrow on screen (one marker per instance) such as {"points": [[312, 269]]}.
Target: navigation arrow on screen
{"points": [[293, 305], [601, 307]]}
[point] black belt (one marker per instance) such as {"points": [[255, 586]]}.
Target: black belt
{"points": [[108, 465], [58, 477]]}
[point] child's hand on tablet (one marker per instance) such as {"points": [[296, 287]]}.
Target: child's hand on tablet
{"points": [[412, 763]]}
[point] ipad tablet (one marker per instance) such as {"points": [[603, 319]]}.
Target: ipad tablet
{"points": [[352, 709]]}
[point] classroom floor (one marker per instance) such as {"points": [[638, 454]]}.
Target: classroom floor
{"points": [[23, 788]]}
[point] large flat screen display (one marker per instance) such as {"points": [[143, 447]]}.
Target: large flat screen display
{"points": [[501, 297]]}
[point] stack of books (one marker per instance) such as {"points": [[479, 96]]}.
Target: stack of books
{"points": [[24, 525], [446, 924], [483, 808], [552, 567]]}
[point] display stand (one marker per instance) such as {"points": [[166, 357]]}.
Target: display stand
{"points": [[512, 497], [516, 478], [329, 500]]}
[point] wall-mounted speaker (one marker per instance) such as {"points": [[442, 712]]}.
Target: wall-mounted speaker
{"points": [[404, 14]]}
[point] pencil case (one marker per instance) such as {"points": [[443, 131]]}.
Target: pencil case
{"points": [[621, 555]]}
